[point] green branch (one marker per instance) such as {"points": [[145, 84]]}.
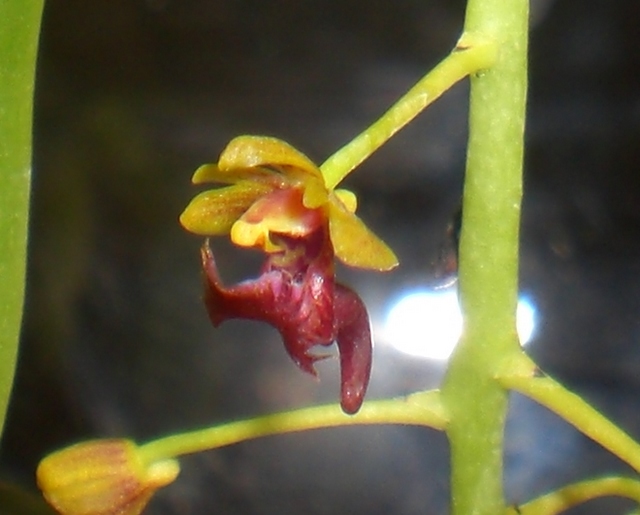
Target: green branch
{"points": [[19, 30], [575, 410], [423, 409], [578, 493], [471, 55]]}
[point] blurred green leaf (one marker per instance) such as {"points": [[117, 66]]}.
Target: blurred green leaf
{"points": [[19, 31]]}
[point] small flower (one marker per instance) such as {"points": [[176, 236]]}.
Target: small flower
{"points": [[276, 200], [102, 477]]}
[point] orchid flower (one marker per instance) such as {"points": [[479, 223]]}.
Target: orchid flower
{"points": [[275, 200]]}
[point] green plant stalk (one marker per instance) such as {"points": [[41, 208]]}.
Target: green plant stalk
{"points": [[488, 260], [470, 55], [19, 31], [572, 408], [578, 493], [423, 408]]}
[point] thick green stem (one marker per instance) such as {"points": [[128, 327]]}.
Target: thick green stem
{"points": [[422, 409], [19, 30], [488, 266]]}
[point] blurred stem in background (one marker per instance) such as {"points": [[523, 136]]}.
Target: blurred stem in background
{"points": [[19, 32]]}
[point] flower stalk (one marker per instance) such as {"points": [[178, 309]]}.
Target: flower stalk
{"points": [[118, 477], [578, 493], [420, 409], [575, 410], [470, 55]]}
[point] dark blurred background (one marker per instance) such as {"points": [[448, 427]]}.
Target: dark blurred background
{"points": [[133, 95]]}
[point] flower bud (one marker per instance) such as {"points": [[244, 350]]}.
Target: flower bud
{"points": [[102, 477]]}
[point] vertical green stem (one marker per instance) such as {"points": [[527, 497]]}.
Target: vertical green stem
{"points": [[19, 30], [488, 268]]}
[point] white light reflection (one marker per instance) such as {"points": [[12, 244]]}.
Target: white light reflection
{"points": [[427, 323]]}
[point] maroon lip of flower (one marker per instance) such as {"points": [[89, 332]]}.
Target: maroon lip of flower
{"points": [[296, 293]]}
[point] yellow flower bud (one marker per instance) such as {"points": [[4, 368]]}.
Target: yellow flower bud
{"points": [[102, 477]]}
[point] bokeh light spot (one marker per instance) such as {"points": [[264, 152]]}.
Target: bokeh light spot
{"points": [[428, 323]]}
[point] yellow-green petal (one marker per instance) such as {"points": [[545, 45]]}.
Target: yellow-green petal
{"points": [[264, 158], [354, 244], [213, 212], [258, 151]]}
